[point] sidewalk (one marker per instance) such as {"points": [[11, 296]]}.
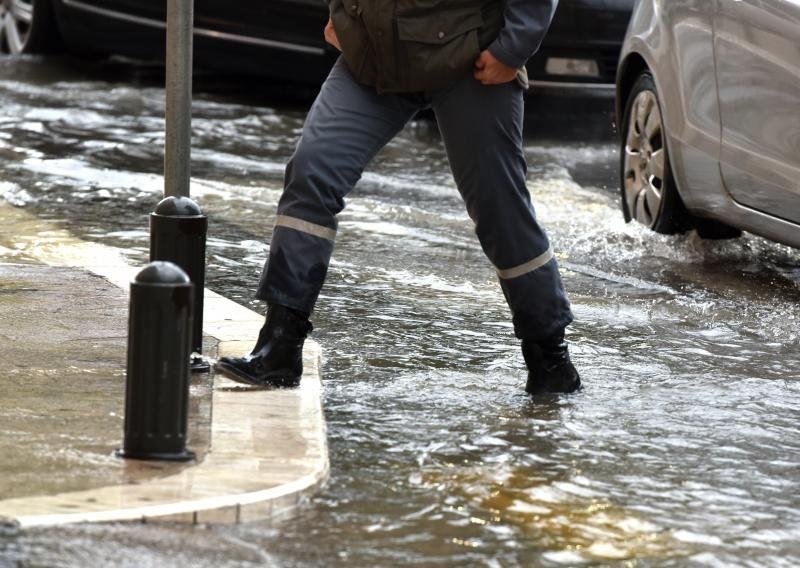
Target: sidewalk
{"points": [[63, 327]]}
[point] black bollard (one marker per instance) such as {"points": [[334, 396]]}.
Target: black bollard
{"points": [[157, 384], [178, 234]]}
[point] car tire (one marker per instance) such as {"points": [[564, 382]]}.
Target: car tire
{"points": [[649, 194], [27, 26]]}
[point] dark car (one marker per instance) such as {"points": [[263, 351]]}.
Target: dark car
{"points": [[283, 38]]}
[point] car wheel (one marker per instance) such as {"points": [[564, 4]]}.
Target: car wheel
{"points": [[26, 26], [649, 194]]}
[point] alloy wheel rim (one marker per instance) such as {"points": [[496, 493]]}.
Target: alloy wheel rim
{"points": [[644, 159], [15, 24]]}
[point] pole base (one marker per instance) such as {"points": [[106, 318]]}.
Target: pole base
{"points": [[199, 364], [184, 456]]}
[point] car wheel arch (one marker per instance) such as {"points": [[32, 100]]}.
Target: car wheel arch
{"points": [[629, 70]]}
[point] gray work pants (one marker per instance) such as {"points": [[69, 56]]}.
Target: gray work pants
{"points": [[482, 131]]}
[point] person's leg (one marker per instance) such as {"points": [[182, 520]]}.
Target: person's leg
{"points": [[346, 126], [482, 131]]}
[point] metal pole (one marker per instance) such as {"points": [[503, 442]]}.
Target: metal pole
{"points": [[178, 234], [177, 151], [157, 383], [178, 226]]}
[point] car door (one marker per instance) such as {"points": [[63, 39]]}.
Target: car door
{"points": [[289, 25], [757, 50]]}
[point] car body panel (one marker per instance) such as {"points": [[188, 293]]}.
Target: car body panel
{"points": [[137, 29], [286, 23], [676, 41], [599, 25], [758, 73]]}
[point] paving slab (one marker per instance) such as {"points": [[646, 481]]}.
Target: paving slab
{"points": [[63, 320]]}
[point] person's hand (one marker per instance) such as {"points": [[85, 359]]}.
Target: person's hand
{"points": [[491, 71], [330, 35]]}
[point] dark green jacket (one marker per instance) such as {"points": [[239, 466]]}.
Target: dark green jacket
{"points": [[424, 45]]}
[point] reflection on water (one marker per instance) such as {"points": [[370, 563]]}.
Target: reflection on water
{"points": [[682, 449]]}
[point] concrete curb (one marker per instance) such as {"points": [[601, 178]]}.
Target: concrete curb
{"points": [[268, 449]]}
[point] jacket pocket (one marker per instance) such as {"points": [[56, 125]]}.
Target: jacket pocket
{"points": [[352, 36], [435, 51]]}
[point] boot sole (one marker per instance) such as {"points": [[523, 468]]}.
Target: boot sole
{"points": [[234, 374]]}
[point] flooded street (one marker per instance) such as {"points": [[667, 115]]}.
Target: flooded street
{"points": [[682, 449]]}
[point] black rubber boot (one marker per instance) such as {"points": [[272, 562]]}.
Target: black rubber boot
{"points": [[277, 358], [549, 367]]}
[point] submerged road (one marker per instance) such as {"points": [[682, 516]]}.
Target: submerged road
{"points": [[682, 449]]}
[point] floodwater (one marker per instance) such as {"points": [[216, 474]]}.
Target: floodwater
{"points": [[682, 449]]}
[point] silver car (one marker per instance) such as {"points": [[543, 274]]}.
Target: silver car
{"points": [[708, 103]]}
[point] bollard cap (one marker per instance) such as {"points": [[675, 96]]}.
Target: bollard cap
{"points": [[177, 206], [161, 272]]}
